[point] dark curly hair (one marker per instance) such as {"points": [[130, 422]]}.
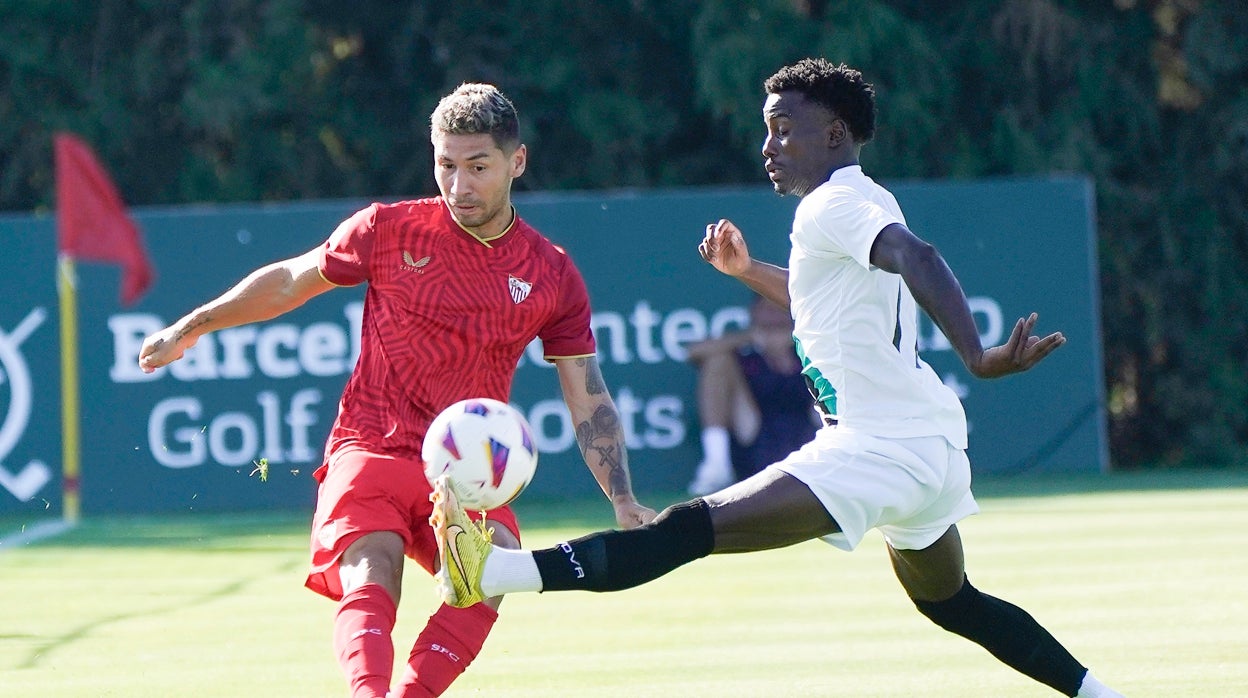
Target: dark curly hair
{"points": [[838, 88]]}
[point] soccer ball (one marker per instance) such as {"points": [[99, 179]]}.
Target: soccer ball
{"points": [[485, 447]]}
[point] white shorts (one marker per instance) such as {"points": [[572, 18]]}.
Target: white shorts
{"points": [[911, 489]]}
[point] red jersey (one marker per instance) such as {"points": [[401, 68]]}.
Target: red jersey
{"points": [[446, 316]]}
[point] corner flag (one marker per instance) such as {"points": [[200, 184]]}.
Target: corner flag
{"points": [[91, 224], [91, 220]]}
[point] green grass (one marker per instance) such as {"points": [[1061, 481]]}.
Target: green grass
{"points": [[1141, 576]]}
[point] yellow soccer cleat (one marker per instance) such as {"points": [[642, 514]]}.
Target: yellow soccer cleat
{"points": [[463, 546]]}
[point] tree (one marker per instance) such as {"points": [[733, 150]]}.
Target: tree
{"points": [[211, 100]]}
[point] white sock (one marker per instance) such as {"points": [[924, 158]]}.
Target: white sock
{"points": [[1091, 688], [716, 444], [507, 571], [716, 450]]}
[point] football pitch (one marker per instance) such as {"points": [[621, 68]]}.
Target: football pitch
{"points": [[1141, 576]]}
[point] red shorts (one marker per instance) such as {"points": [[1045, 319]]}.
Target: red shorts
{"points": [[363, 492]]}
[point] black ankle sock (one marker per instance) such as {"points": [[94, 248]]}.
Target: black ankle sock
{"points": [[614, 560]]}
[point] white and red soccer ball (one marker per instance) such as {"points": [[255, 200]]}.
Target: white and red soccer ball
{"points": [[485, 447]]}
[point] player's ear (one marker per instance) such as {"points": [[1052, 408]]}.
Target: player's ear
{"points": [[838, 132], [519, 159]]}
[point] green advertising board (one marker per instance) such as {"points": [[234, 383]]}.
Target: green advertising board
{"points": [[188, 437]]}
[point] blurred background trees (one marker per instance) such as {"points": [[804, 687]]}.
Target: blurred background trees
{"points": [[253, 100]]}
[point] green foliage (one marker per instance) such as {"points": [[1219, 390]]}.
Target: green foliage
{"points": [[737, 49], [211, 100]]}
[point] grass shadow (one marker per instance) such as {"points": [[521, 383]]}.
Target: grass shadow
{"points": [[43, 650]]}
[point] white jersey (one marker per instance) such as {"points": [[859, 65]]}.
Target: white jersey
{"points": [[857, 325]]}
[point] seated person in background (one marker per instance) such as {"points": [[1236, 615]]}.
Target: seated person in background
{"points": [[753, 403]]}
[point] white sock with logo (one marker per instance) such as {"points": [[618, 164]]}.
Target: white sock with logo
{"points": [[508, 571]]}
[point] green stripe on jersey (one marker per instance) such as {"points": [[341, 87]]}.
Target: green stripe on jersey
{"points": [[821, 388]]}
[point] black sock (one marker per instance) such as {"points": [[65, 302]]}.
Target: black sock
{"points": [[1010, 634], [615, 560]]}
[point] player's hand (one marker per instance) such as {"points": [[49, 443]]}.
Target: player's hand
{"points": [[724, 248], [629, 513], [1019, 353], [163, 348]]}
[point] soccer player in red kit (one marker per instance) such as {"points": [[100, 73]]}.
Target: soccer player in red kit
{"points": [[458, 286]]}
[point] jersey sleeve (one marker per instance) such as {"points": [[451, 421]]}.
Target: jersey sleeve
{"points": [[567, 334], [345, 256], [850, 223]]}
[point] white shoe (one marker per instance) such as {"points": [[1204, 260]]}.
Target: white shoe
{"points": [[710, 478]]}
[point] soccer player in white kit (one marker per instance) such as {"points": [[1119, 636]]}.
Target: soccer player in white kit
{"points": [[892, 453]]}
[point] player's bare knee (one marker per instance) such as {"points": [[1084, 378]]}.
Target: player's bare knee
{"points": [[374, 558]]}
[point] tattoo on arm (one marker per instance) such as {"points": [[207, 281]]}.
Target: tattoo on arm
{"points": [[594, 383], [602, 447], [180, 334]]}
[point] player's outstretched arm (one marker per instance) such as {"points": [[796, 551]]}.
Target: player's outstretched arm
{"points": [[724, 248], [937, 291], [600, 436], [264, 294]]}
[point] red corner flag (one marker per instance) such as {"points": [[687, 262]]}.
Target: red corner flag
{"points": [[91, 220]]}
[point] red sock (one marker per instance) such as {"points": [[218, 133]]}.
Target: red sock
{"points": [[362, 630], [448, 644]]}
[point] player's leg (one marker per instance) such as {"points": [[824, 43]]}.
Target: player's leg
{"points": [[927, 556], [359, 535], [373, 558], [452, 637], [935, 580], [770, 510], [370, 571]]}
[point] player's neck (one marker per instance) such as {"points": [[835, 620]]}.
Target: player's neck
{"points": [[494, 228], [840, 165]]}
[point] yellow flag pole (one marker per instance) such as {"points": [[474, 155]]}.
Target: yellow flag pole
{"points": [[67, 289]]}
